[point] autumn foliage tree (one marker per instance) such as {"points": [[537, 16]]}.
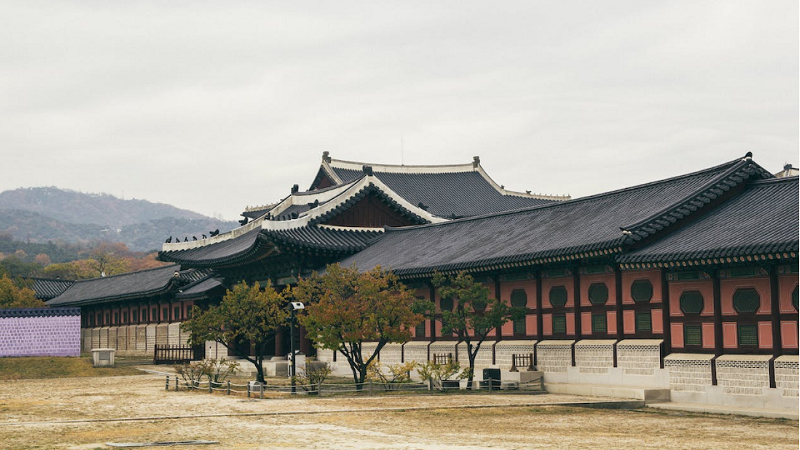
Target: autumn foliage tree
{"points": [[346, 308], [14, 296], [474, 315], [246, 315]]}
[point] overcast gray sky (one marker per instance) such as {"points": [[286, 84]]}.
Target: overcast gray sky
{"points": [[213, 106]]}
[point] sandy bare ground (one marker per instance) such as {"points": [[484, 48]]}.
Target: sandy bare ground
{"points": [[33, 412]]}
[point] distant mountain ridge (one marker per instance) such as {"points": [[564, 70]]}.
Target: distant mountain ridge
{"points": [[45, 214]]}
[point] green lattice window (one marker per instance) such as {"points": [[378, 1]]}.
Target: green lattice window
{"points": [[177, 315], [519, 299], [746, 301], [165, 314], [419, 331], [692, 335], [558, 296], [794, 298], [559, 324], [599, 323], [642, 291], [598, 294], [135, 315], [748, 335], [691, 302], [446, 304], [644, 321]]}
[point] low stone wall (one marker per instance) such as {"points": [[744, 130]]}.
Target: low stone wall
{"points": [[40, 332], [391, 354], [554, 356], [139, 340], [689, 372], [786, 375], [482, 359], [415, 351], [743, 374], [503, 350], [639, 356], [594, 356], [444, 348]]}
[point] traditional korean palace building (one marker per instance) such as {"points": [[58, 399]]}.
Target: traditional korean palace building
{"points": [[689, 283]]}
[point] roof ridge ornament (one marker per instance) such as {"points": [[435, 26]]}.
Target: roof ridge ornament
{"points": [[326, 156], [367, 170], [476, 161], [748, 156]]}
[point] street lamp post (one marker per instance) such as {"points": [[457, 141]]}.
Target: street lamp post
{"points": [[296, 306]]}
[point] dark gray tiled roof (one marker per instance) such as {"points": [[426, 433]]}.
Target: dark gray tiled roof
{"points": [[760, 221], [218, 253], [130, 285], [464, 194], [39, 312], [323, 239], [199, 289], [563, 228], [47, 288]]}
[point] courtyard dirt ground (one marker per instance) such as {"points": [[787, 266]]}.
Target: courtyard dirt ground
{"points": [[70, 413]]}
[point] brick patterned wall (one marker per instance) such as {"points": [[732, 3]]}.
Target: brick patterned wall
{"points": [[415, 352], [391, 353], [40, 336], [504, 349], [743, 377], [444, 348], [554, 358], [482, 359], [786, 377], [324, 355], [594, 358], [688, 375], [638, 359]]}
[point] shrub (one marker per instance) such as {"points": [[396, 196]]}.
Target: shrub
{"points": [[397, 373], [435, 373]]}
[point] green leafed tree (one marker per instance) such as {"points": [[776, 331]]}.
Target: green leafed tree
{"points": [[474, 314], [247, 315], [346, 308], [14, 296]]}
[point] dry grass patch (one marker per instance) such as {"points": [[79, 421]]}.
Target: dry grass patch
{"points": [[57, 367]]}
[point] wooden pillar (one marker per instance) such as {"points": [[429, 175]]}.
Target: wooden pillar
{"points": [[618, 299], [539, 319], [775, 307], [498, 332], [279, 342], [717, 313], [665, 316], [576, 277], [432, 294]]}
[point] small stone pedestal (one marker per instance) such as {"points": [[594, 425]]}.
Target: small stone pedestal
{"points": [[103, 357]]}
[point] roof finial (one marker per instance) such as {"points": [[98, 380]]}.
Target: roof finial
{"points": [[326, 156], [295, 189], [367, 170], [476, 161], [748, 155]]}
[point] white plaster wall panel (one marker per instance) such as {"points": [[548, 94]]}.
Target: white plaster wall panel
{"points": [[504, 350], [639, 356], [104, 337], [162, 334], [95, 332], [150, 340], [689, 372], [786, 375], [325, 355], [743, 374], [554, 356]]}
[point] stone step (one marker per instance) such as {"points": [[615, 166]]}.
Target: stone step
{"points": [[648, 395]]}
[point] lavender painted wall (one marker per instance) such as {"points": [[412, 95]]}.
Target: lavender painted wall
{"points": [[40, 332]]}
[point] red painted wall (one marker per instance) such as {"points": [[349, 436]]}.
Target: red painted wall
{"points": [[729, 286]]}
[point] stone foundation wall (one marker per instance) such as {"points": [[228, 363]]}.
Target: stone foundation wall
{"points": [[444, 348], [391, 354], [639, 356], [594, 356], [415, 351], [504, 350], [786, 375], [688, 372], [554, 356], [40, 332], [743, 374], [482, 359]]}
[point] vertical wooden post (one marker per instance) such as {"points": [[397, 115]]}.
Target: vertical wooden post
{"points": [[260, 390], [166, 386], [576, 287], [176, 382], [667, 325], [717, 312], [229, 387], [775, 307], [618, 300], [248, 389], [210, 388], [539, 318]]}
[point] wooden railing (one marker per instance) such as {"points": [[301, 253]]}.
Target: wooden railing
{"points": [[442, 358], [524, 361], [173, 354]]}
